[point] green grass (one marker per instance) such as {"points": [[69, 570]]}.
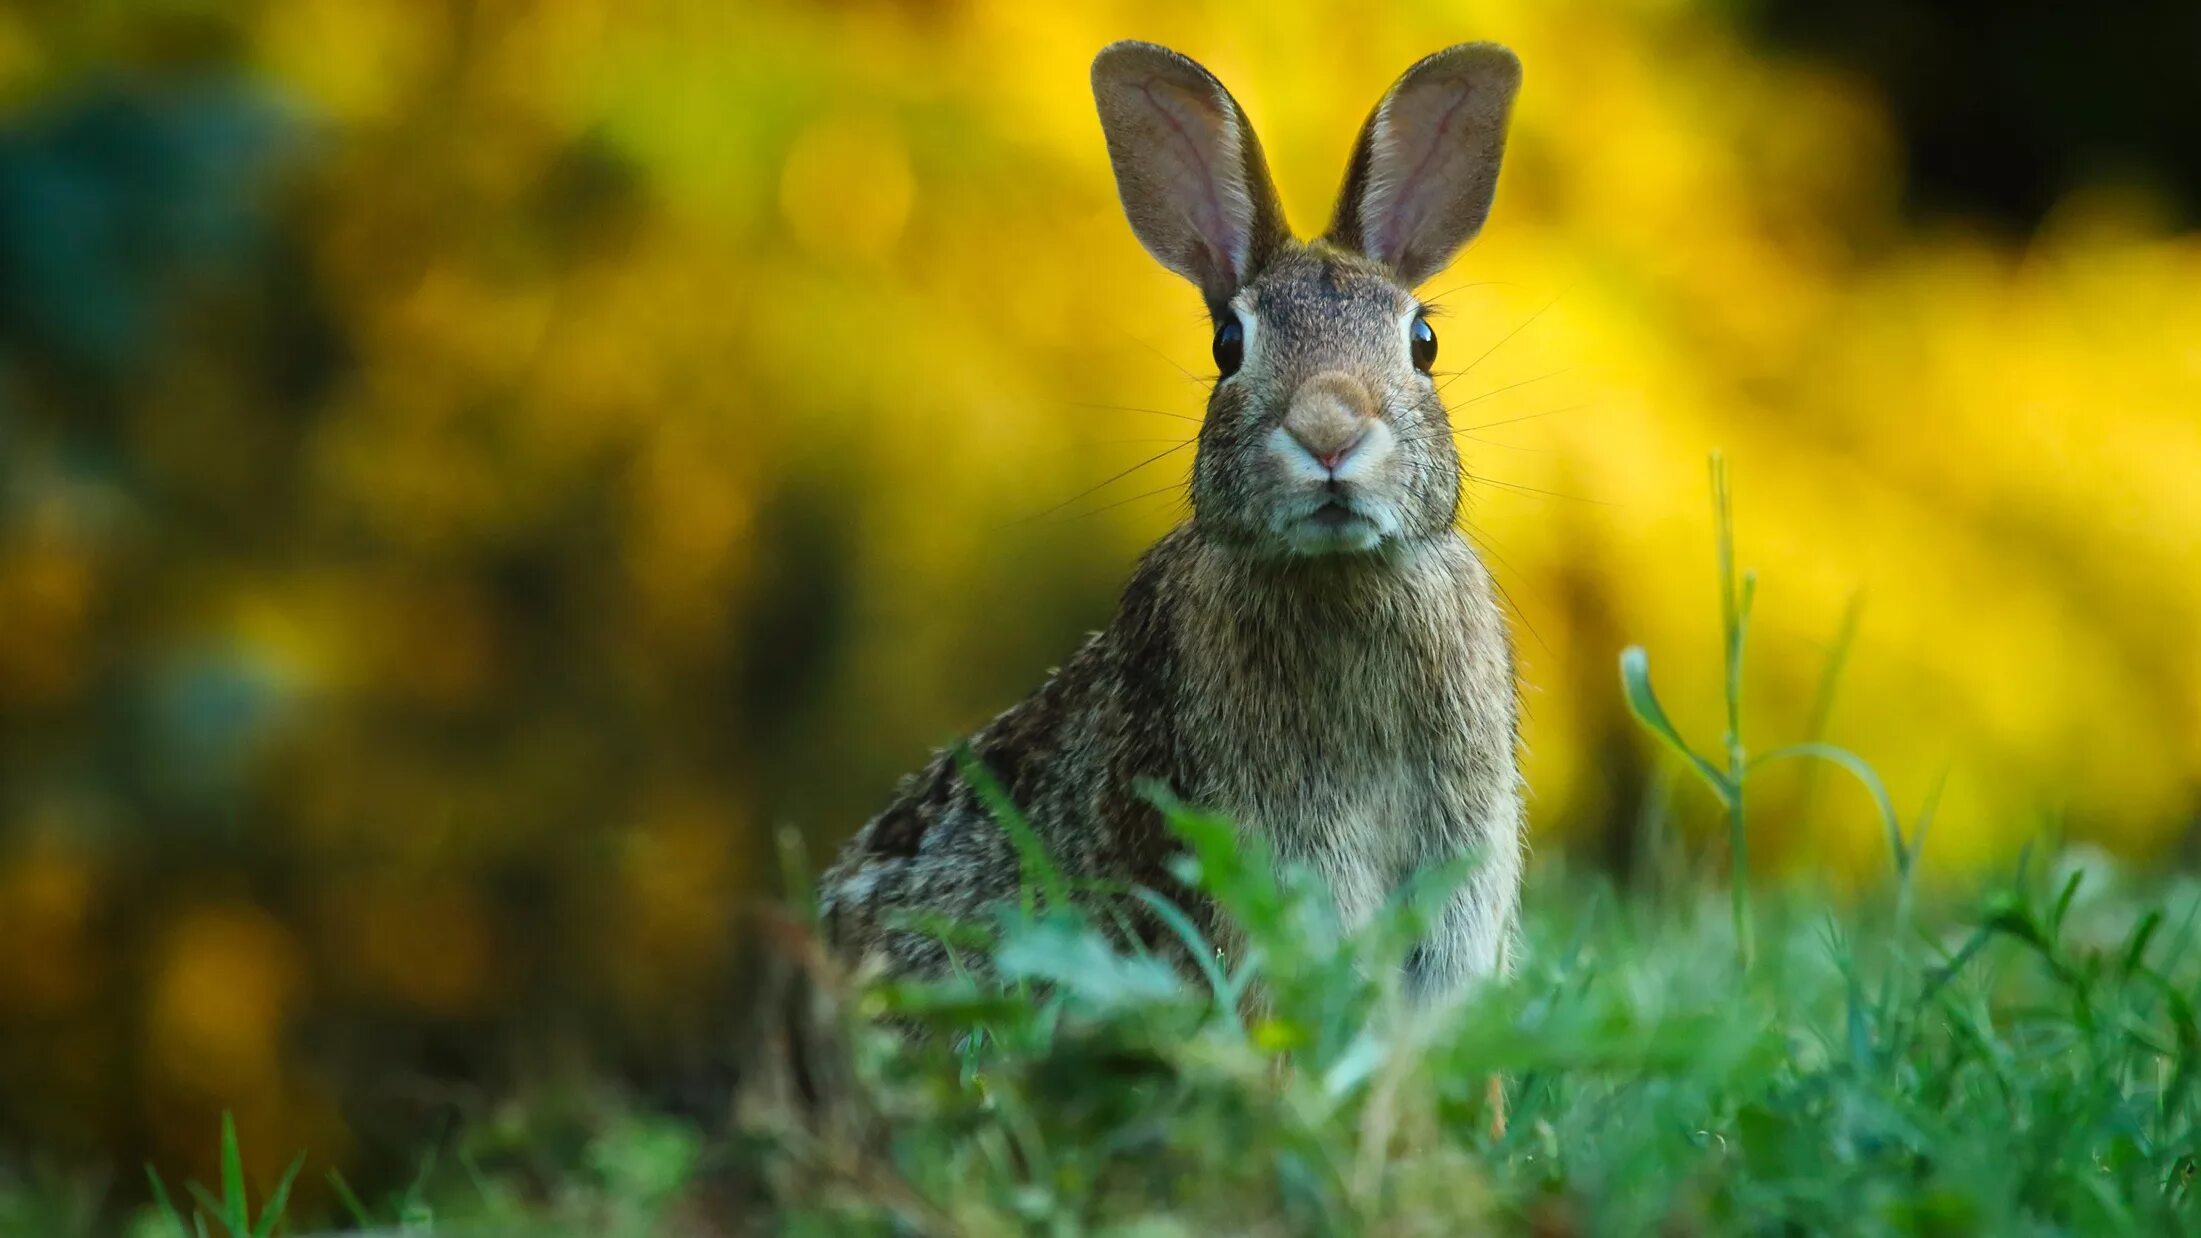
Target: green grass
{"points": [[2018, 1058], [2022, 1062], [2023, 1065]]}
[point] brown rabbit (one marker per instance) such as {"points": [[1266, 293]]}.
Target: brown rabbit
{"points": [[1316, 653]]}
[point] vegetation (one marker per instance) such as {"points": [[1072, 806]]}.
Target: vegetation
{"points": [[2022, 1063]]}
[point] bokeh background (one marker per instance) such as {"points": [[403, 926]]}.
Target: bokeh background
{"points": [[471, 471]]}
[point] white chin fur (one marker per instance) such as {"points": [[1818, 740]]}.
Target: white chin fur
{"points": [[1308, 537], [1356, 538]]}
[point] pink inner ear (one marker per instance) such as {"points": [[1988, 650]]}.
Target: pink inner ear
{"points": [[1198, 138], [1422, 130]]}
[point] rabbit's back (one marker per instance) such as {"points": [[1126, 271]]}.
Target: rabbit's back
{"points": [[1072, 758]]}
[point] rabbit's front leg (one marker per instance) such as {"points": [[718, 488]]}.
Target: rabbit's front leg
{"points": [[1472, 934], [1472, 941]]}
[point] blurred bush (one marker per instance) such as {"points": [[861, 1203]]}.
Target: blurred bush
{"points": [[469, 471]]}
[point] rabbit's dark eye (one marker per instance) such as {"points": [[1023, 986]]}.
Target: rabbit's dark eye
{"points": [[1424, 344], [1230, 346]]}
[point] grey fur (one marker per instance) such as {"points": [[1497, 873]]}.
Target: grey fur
{"points": [[1317, 653]]}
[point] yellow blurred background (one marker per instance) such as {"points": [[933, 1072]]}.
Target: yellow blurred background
{"points": [[470, 471]]}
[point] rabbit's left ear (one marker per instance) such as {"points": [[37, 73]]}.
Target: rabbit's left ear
{"points": [[1426, 166]]}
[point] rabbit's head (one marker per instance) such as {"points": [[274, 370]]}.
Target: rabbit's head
{"points": [[1324, 432]]}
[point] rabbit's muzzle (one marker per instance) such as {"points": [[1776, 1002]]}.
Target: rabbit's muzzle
{"points": [[1333, 454]]}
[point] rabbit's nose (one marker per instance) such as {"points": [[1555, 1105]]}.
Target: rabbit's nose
{"points": [[1329, 417]]}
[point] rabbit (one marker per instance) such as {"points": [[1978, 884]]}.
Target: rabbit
{"points": [[1316, 653]]}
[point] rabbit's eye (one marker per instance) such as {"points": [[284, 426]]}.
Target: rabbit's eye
{"points": [[1230, 346], [1424, 344]]}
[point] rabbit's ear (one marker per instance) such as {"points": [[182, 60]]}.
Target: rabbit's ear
{"points": [[1188, 167], [1426, 165]]}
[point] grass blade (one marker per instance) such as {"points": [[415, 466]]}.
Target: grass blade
{"points": [[234, 1211], [1902, 851], [220, 1209], [349, 1201], [1635, 687], [272, 1214], [165, 1205]]}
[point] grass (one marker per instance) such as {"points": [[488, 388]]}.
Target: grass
{"points": [[2019, 1058]]}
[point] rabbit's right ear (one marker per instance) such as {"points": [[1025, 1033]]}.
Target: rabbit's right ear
{"points": [[1188, 167]]}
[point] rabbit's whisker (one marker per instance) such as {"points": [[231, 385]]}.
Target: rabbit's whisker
{"points": [[1477, 399], [1132, 408], [1157, 457], [1526, 323], [1434, 435], [1205, 382], [1488, 546], [1480, 283], [1549, 412], [1491, 442], [1467, 477], [1108, 507], [1518, 487], [1128, 442]]}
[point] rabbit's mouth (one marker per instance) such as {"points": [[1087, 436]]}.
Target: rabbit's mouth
{"points": [[1336, 524], [1333, 514]]}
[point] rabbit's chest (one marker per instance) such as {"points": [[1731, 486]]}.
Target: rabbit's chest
{"points": [[1364, 833], [1362, 723], [1363, 762]]}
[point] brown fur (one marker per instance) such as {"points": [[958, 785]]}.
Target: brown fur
{"points": [[1317, 653]]}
